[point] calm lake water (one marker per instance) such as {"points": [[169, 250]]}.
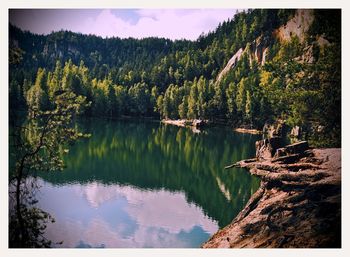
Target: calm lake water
{"points": [[146, 184]]}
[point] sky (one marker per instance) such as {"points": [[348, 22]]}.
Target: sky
{"points": [[123, 23]]}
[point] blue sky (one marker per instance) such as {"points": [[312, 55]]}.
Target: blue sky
{"points": [[137, 23]]}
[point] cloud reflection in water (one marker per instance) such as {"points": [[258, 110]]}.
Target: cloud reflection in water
{"points": [[98, 215]]}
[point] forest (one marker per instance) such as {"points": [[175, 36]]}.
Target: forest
{"points": [[258, 68], [298, 80]]}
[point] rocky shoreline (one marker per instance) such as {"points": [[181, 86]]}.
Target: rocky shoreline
{"points": [[298, 203], [196, 125], [248, 131]]}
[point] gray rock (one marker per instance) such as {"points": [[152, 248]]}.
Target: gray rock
{"points": [[266, 148], [296, 148], [296, 132]]}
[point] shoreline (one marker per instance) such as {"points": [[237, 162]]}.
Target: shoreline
{"points": [[248, 131], [298, 204], [179, 123], [197, 123]]}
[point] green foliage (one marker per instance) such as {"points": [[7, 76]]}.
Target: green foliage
{"points": [[183, 108], [139, 99], [192, 101], [64, 74], [38, 145], [179, 79], [35, 221], [37, 96]]}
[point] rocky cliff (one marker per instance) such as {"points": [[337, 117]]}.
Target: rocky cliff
{"points": [[258, 50], [298, 26], [298, 203]]}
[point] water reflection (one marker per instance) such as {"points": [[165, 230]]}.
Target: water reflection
{"points": [[98, 215], [138, 184]]}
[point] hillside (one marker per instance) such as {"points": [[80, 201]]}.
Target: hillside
{"points": [[259, 67]]}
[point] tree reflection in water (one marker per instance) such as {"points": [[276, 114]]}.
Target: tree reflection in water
{"points": [[150, 156]]}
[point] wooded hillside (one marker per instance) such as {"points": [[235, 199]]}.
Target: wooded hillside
{"points": [[259, 67]]}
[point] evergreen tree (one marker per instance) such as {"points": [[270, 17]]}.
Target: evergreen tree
{"points": [[37, 96]]}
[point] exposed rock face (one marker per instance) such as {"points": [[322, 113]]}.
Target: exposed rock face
{"points": [[297, 26], [54, 50], [264, 55], [258, 49], [293, 149], [298, 203], [307, 56], [308, 51], [231, 64], [296, 132], [322, 42], [266, 148]]}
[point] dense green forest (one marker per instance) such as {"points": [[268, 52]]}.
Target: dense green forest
{"points": [[296, 78]]}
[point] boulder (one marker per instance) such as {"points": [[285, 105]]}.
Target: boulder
{"points": [[266, 148], [296, 148], [296, 132], [198, 123], [280, 152], [265, 129]]}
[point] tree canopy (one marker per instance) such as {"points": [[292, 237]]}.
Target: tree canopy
{"points": [[179, 79]]}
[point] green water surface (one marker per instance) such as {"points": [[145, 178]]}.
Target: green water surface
{"points": [[146, 184]]}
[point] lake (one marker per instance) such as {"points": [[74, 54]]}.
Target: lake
{"points": [[146, 184]]}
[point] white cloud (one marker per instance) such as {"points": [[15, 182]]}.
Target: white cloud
{"points": [[151, 208], [155, 218], [105, 24], [169, 23]]}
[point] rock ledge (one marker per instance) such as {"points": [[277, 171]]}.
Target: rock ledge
{"points": [[298, 203]]}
